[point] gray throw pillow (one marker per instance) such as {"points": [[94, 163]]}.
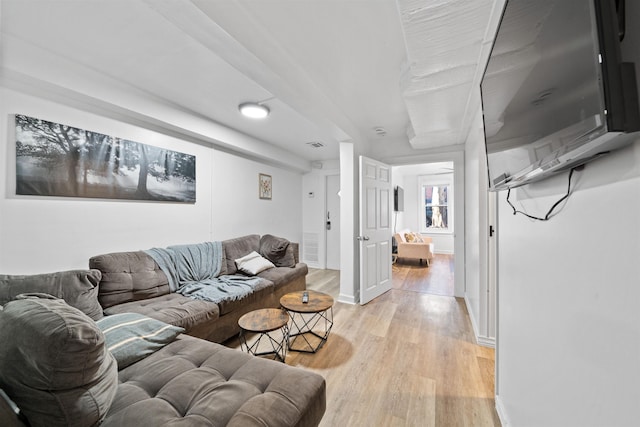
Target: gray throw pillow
{"points": [[54, 364], [132, 336], [79, 288], [277, 250]]}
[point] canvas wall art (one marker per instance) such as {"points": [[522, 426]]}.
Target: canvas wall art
{"points": [[53, 159], [264, 186]]}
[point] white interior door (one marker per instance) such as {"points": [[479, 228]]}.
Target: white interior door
{"points": [[376, 203], [332, 222]]}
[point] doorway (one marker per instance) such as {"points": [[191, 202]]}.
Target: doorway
{"points": [[421, 183], [332, 222]]}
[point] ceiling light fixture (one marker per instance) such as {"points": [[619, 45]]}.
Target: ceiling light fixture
{"points": [[380, 131], [254, 110]]}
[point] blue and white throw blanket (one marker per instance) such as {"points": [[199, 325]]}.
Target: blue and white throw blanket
{"points": [[193, 271]]}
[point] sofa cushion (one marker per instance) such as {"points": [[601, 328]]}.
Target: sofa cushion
{"points": [[132, 337], [196, 382], [128, 276], [173, 309], [261, 292], [281, 275], [79, 288], [277, 250], [239, 247], [54, 364], [253, 263]]}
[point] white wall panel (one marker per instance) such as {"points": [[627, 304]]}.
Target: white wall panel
{"points": [[237, 210], [568, 299]]}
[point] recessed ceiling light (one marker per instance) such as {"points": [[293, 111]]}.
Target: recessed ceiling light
{"points": [[380, 131], [254, 110]]}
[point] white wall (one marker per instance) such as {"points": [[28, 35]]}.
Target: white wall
{"points": [[477, 292], [569, 324], [236, 208], [472, 222], [43, 234], [349, 224]]}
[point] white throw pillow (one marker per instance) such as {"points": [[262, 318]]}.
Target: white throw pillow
{"points": [[253, 263]]}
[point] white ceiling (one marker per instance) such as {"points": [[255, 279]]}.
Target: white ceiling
{"points": [[329, 70]]}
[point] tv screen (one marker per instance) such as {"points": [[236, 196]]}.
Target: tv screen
{"points": [[398, 199], [553, 92]]}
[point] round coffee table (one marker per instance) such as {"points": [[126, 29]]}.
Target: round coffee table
{"points": [[311, 321], [263, 322]]}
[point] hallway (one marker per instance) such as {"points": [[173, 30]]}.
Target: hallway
{"points": [[407, 358], [437, 279]]}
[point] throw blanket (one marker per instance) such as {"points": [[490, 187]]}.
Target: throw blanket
{"points": [[192, 270]]}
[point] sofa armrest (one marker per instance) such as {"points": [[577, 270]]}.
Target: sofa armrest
{"points": [[296, 251]]}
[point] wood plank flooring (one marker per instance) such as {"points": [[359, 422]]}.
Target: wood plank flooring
{"points": [[407, 358], [411, 275]]}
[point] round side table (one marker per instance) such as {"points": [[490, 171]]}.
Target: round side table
{"points": [[311, 322], [264, 323]]}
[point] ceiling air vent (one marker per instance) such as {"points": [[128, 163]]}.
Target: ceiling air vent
{"points": [[315, 144]]}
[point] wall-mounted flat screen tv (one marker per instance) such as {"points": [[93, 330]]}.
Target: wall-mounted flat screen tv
{"points": [[398, 199], [555, 92]]}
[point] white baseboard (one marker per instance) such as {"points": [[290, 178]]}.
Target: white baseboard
{"points": [[347, 299], [480, 339], [473, 320], [486, 341], [443, 252], [504, 420]]}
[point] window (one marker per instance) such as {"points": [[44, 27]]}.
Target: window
{"points": [[436, 210]]}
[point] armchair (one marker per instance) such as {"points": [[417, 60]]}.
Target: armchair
{"points": [[415, 250]]}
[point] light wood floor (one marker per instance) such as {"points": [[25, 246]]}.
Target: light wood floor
{"points": [[407, 358], [437, 278]]}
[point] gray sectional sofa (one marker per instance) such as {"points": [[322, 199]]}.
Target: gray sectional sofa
{"points": [[64, 363], [134, 282]]}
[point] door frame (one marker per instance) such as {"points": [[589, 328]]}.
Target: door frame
{"points": [[457, 157], [336, 216]]}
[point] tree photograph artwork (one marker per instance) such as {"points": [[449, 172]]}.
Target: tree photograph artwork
{"points": [[53, 159]]}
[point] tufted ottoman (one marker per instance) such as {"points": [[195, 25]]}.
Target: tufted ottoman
{"points": [[198, 383]]}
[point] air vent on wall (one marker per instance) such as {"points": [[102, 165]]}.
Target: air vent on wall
{"points": [[315, 144], [310, 247]]}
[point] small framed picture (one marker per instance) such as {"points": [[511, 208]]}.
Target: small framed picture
{"points": [[264, 186]]}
